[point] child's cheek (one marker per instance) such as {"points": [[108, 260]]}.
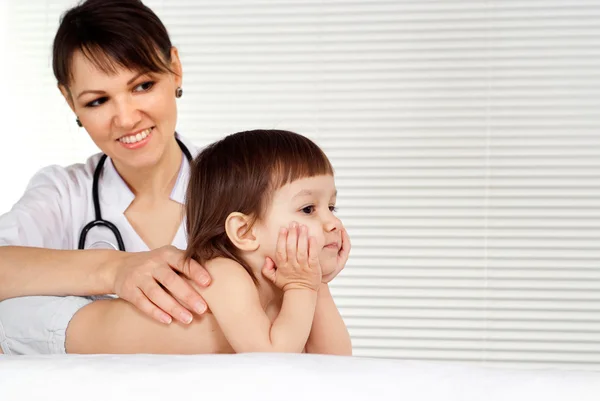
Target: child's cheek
{"points": [[317, 233]]}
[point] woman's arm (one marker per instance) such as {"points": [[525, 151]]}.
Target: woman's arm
{"points": [[329, 334], [35, 257], [37, 271], [32, 238], [134, 277]]}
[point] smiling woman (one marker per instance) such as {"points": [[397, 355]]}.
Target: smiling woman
{"points": [[119, 79]]}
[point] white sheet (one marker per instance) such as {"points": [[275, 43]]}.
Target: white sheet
{"points": [[279, 377]]}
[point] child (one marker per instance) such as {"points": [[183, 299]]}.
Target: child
{"points": [[252, 196], [267, 193]]}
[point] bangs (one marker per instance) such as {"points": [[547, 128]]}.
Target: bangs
{"points": [[301, 162], [242, 171], [111, 57]]}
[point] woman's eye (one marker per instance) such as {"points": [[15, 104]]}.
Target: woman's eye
{"points": [[308, 209], [144, 86], [97, 102]]}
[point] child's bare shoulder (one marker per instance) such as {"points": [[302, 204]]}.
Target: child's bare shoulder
{"points": [[227, 277], [227, 269]]}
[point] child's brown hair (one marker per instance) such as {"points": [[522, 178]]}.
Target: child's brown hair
{"points": [[240, 173]]}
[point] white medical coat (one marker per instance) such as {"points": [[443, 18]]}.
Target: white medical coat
{"points": [[58, 203]]}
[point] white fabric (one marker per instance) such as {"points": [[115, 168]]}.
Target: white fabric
{"points": [[281, 377], [58, 204]]}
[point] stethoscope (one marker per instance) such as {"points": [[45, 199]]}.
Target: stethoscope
{"points": [[105, 223]]}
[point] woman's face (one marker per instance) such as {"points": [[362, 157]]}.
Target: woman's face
{"points": [[130, 115]]}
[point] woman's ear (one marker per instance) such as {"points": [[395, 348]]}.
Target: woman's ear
{"points": [[237, 227], [67, 95], [176, 66]]}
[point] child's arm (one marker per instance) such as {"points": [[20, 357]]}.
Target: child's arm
{"points": [[234, 301], [329, 334]]}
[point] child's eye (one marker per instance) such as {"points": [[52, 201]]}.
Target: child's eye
{"points": [[97, 102], [308, 209], [332, 208], [144, 86]]}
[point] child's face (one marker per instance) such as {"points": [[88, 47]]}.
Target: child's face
{"points": [[310, 202]]}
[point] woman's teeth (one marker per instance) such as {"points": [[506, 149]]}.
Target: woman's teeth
{"points": [[135, 138]]}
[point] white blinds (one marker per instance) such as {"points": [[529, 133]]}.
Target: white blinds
{"points": [[465, 139]]}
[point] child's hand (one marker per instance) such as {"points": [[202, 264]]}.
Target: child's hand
{"points": [[296, 261], [342, 257]]}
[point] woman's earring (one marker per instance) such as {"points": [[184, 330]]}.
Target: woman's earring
{"points": [[79, 122], [178, 92]]}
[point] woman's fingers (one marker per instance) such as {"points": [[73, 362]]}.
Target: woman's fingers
{"points": [[177, 285], [190, 268], [196, 272], [181, 290], [142, 303], [159, 297]]}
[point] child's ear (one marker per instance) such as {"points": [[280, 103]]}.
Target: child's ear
{"points": [[237, 227]]}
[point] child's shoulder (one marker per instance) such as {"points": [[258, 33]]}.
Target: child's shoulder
{"points": [[222, 263], [227, 277], [227, 268]]}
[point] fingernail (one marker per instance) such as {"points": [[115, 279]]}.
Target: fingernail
{"points": [[283, 230], [205, 280], [186, 317], [166, 319], [294, 224], [200, 308]]}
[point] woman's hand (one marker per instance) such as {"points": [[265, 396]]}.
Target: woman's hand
{"points": [[296, 260], [342, 257], [147, 280]]}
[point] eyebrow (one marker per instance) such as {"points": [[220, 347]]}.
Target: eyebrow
{"points": [[100, 92], [307, 192]]}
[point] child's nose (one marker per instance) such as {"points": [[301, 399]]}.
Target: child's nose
{"points": [[332, 223]]}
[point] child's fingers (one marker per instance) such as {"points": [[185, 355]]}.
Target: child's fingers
{"points": [[313, 253], [303, 246], [346, 245], [269, 270], [280, 251], [269, 264], [292, 244]]}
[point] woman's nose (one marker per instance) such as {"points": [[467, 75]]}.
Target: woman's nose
{"points": [[126, 115]]}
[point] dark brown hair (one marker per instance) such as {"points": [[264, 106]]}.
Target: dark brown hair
{"points": [[240, 173], [111, 33]]}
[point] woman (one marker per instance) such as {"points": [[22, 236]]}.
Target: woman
{"points": [[119, 73]]}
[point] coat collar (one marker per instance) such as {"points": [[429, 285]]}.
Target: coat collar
{"points": [[117, 196]]}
